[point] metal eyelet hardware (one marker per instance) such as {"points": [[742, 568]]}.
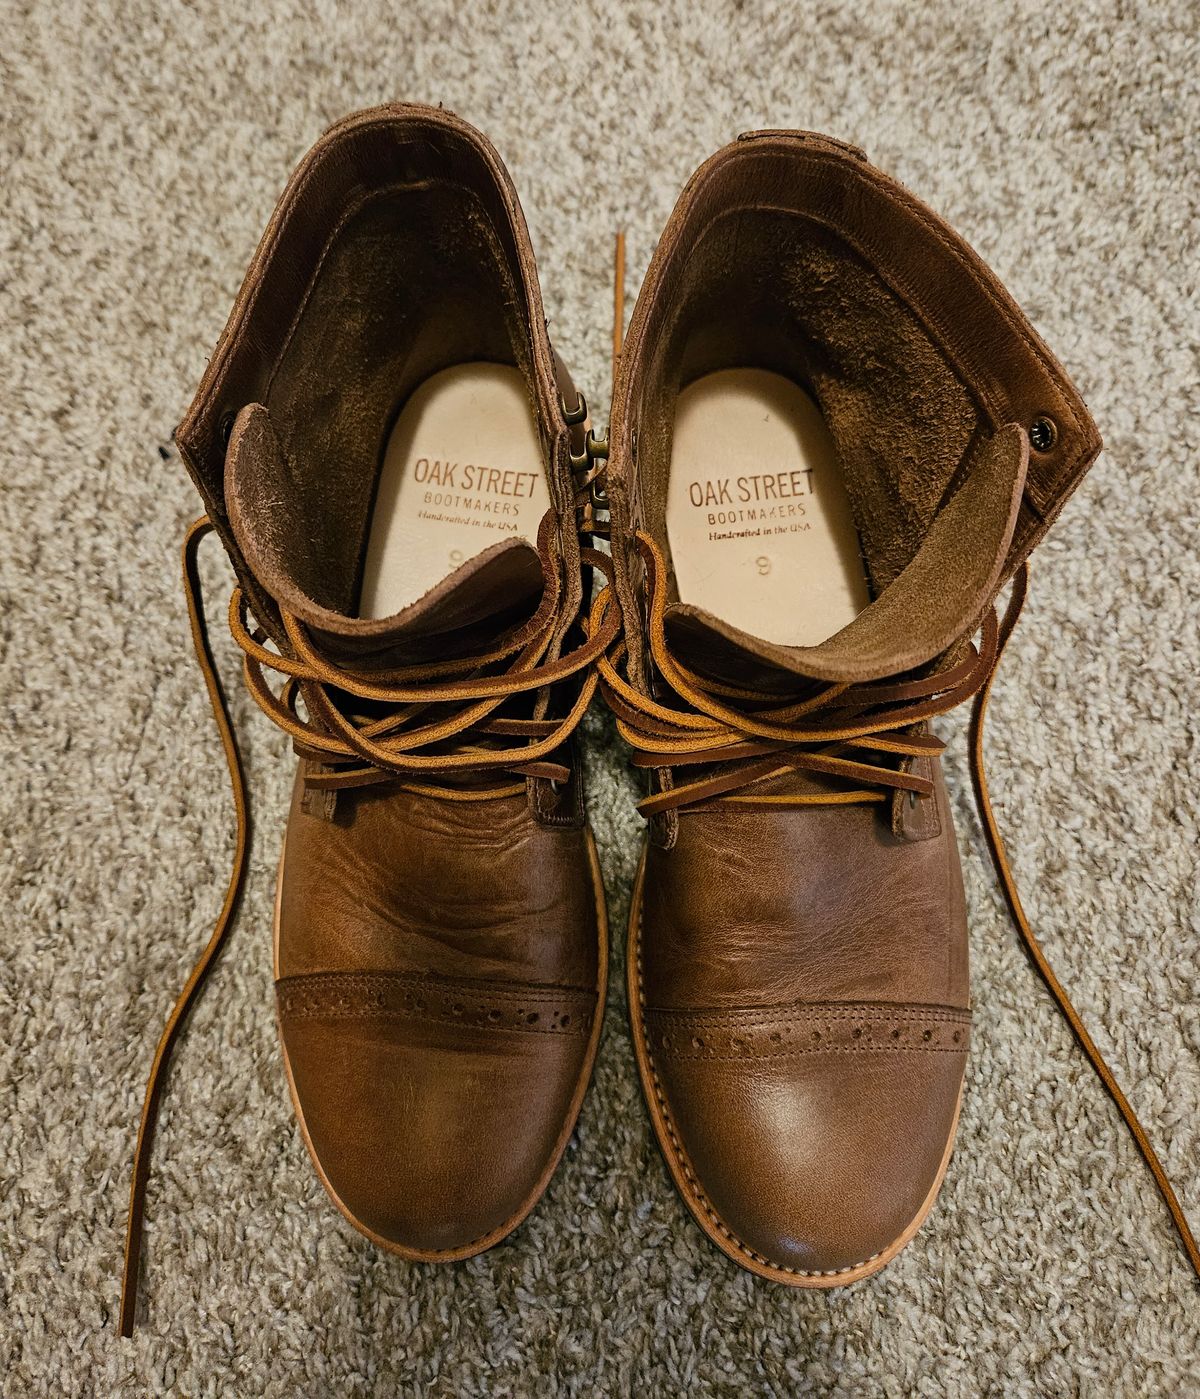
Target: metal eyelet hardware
{"points": [[574, 416], [594, 449], [588, 466], [1043, 433], [225, 428]]}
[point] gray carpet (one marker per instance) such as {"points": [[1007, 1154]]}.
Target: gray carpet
{"points": [[143, 147]]}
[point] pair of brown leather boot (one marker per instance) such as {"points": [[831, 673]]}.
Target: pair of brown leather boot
{"points": [[834, 438]]}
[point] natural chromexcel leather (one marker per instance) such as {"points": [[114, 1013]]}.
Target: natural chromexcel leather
{"points": [[437, 995], [798, 969], [804, 1017]]}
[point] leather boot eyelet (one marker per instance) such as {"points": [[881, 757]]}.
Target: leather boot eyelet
{"points": [[225, 429], [1043, 433]]}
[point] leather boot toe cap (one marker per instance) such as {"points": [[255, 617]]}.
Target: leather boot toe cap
{"points": [[809, 1141], [434, 1112]]}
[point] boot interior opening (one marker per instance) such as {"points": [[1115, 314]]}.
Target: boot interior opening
{"points": [[402, 391], [798, 426]]}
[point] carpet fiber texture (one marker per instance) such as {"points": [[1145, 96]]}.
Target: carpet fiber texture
{"points": [[143, 146]]}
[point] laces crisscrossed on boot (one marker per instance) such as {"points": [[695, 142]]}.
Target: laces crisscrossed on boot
{"points": [[439, 719], [750, 738], [741, 738]]}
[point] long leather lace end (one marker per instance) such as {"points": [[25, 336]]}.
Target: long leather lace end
{"points": [[233, 893], [1032, 946]]}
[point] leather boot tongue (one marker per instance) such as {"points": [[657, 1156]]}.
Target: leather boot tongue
{"points": [[935, 600], [303, 550]]}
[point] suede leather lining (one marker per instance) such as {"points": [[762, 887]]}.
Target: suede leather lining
{"points": [[502, 584], [412, 282], [769, 289]]}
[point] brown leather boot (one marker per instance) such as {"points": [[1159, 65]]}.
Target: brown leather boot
{"points": [[834, 439], [383, 441]]}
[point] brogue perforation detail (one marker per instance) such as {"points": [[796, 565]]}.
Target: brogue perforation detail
{"points": [[551, 1010], [777, 1032]]}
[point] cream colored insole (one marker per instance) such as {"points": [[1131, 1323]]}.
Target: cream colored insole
{"points": [[463, 469], [758, 519]]}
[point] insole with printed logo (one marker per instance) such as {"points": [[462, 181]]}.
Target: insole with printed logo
{"points": [[758, 518], [463, 469]]}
